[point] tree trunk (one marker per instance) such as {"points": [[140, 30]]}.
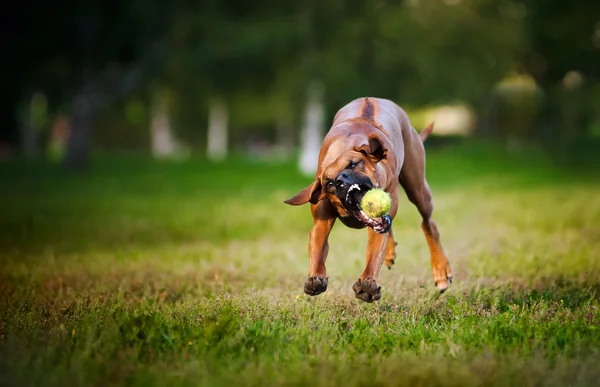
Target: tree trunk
{"points": [[217, 130], [161, 134], [35, 117], [312, 129], [78, 145], [29, 140]]}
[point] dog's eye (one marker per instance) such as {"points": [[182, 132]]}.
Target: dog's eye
{"points": [[328, 184], [353, 164]]}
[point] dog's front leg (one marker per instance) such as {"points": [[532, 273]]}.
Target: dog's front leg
{"points": [[324, 216], [366, 288]]}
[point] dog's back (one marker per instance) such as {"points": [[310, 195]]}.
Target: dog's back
{"points": [[386, 114]]}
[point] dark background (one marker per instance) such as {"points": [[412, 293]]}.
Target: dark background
{"points": [[528, 71]]}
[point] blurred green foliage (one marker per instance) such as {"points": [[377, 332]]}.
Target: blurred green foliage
{"points": [[259, 56]]}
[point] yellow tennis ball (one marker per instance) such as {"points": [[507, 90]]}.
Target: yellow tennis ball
{"points": [[376, 203]]}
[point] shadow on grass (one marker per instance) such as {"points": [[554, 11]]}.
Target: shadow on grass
{"points": [[560, 291], [568, 292]]}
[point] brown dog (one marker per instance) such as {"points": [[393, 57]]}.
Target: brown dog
{"points": [[371, 144]]}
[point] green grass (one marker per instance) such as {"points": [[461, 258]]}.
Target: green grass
{"points": [[143, 273]]}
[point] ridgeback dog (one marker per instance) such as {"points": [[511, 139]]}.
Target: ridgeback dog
{"points": [[371, 144]]}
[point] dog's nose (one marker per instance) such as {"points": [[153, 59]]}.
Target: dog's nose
{"points": [[341, 180]]}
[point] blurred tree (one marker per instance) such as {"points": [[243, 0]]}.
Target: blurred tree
{"points": [[162, 140], [34, 119], [312, 129], [564, 58], [442, 51], [113, 47], [517, 101], [88, 54], [258, 59], [222, 50]]}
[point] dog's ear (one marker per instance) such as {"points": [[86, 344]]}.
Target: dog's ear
{"points": [[311, 194], [373, 148]]}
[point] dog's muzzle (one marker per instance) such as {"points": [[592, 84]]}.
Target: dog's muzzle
{"points": [[350, 188]]}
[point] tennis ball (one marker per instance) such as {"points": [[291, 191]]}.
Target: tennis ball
{"points": [[376, 203]]}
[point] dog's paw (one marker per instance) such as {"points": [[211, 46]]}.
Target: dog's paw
{"points": [[442, 276], [315, 285], [390, 255], [367, 290], [389, 262]]}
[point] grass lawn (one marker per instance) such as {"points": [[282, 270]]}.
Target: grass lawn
{"points": [[142, 273]]}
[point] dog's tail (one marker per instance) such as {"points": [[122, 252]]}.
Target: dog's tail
{"points": [[426, 132]]}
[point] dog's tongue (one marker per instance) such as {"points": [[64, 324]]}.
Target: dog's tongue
{"points": [[380, 225], [373, 222], [365, 218]]}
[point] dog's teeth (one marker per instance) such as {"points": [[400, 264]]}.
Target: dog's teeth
{"points": [[353, 187]]}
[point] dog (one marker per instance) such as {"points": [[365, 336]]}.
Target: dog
{"points": [[371, 144]]}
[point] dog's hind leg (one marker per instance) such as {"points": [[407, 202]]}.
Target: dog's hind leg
{"points": [[412, 179], [390, 251]]}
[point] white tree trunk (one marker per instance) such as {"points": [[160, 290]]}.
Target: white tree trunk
{"points": [[312, 129], [217, 130], [161, 134]]}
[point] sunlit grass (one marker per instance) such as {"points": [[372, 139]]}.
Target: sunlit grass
{"points": [[163, 274]]}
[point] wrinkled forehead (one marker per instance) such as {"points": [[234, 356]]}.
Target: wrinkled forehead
{"points": [[337, 163], [341, 147], [335, 151]]}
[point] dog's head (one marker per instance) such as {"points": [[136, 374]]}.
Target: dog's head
{"points": [[349, 167]]}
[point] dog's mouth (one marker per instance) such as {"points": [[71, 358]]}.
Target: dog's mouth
{"points": [[354, 197], [351, 201]]}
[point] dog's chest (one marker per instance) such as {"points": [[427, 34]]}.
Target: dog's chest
{"points": [[352, 222]]}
